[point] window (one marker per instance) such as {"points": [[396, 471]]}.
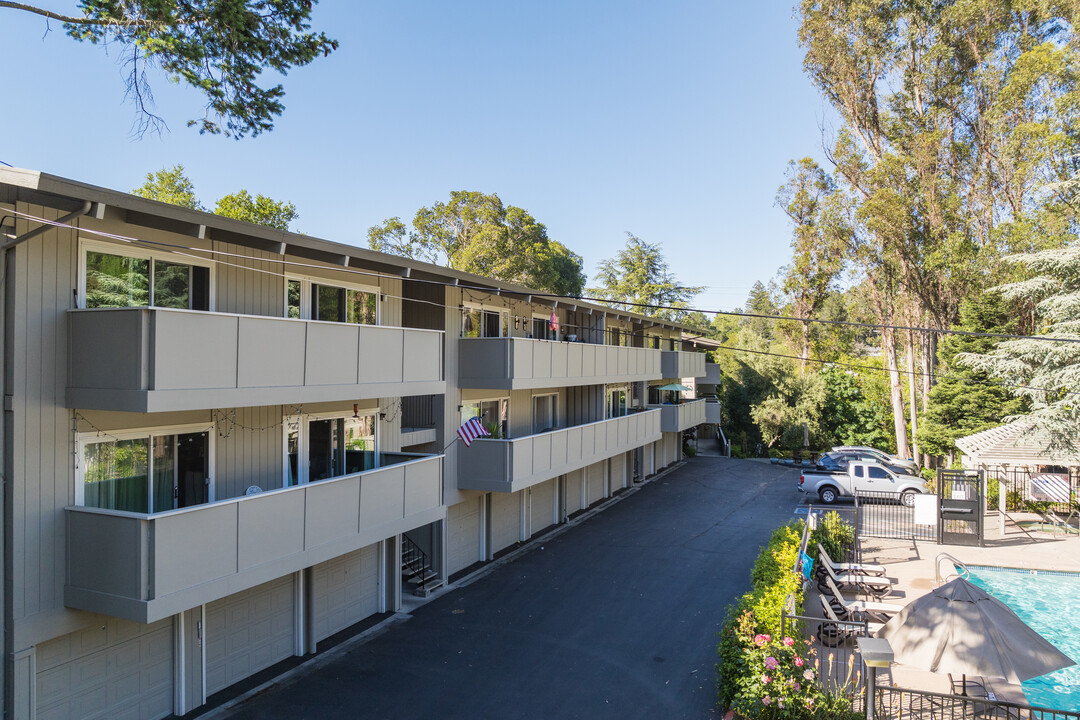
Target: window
{"points": [[480, 322], [858, 471], [541, 328], [330, 446], [309, 300], [877, 473], [545, 413], [136, 278], [617, 336], [616, 405], [494, 414], [145, 472], [652, 342]]}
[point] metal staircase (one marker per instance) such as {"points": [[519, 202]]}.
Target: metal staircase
{"points": [[416, 569]]}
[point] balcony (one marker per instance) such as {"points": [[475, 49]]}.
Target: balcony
{"points": [[155, 359], [676, 418], [677, 364], [712, 374], [712, 412], [521, 363], [148, 567], [511, 465]]}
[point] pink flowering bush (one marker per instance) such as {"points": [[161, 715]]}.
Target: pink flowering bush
{"points": [[776, 681]]}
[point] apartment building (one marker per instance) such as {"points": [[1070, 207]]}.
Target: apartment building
{"points": [[223, 443]]}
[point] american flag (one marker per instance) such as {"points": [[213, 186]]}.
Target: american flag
{"points": [[471, 430]]}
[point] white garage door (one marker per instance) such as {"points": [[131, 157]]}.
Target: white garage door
{"points": [[595, 474], [573, 492], [543, 497], [505, 519], [463, 534], [345, 591], [617, 472], [248, 632], [122, 671]]}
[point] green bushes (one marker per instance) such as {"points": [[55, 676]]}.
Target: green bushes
{"points": [[835, 535], [762, 673]]}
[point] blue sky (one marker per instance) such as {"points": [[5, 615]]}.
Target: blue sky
{"points": [[673, 121]]}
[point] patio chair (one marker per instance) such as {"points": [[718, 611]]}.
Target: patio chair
{"points": [[977, 690], [832, 631], [873, 585], [879, 611], [860, 568]]}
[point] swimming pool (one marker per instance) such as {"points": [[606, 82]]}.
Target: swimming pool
{"points": [[1050, 603]]}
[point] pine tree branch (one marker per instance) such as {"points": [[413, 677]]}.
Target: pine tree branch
{"points": [[74, 20]]}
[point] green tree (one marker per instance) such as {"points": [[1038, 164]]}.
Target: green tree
{"points": [[170, 185], [218, 47], [1044, 370], [260, 209], [964, 400], [638, 279], [818, 240], [477, 233]]}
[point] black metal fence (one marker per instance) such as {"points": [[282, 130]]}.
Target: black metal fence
{"points": [[1034, 490], [883, 515], [894, 702], [961, 507]]}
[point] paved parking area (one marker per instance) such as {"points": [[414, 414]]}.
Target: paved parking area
{"points": [[613, 618]]}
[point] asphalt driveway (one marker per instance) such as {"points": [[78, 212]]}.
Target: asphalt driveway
{"points": [[614, 618]]}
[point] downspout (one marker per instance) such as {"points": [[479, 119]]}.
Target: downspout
{"points": [[7, 268]]}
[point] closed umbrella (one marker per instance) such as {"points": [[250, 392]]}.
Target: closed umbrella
{"points": [[960, 628]]}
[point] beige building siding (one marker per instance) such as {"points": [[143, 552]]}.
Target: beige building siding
{"points": [[249, 285], [249, 452], [41, 451], [541, 506], [463, 521]]}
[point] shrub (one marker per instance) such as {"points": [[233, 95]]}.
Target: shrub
{"points": [[835, 535]]}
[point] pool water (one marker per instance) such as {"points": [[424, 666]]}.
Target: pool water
{"points": [[1050, 604]]}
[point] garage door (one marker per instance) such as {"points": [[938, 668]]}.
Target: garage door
{"points": [[617, 472], [248, 632], [573, 492], [345, 591], [505, 519], [543, 497], [124, 670], [463, 534], [595, 474]]}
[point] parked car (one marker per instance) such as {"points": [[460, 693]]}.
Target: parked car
{"points": [[829, 486], [910, 466]]}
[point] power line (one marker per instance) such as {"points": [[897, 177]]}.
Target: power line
{"points": [[613, 304]]}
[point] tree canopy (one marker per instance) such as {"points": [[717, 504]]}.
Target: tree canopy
{"points": [[475, 232], [218, 47], [172, 185], [638, 279]]}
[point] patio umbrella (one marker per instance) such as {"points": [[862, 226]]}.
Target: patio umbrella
{"points": [[674, 387], [960, 628]]}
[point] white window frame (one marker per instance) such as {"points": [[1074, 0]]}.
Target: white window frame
{"points": [[306, 281], [608, 390], [86, 246], [94, 437], [547, 320], [554, 410], [303, 438], [483, 308]]}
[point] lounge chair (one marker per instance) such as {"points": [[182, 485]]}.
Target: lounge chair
{"points": [[880, 611], [874, 585], [860, 568], [834, 631]]}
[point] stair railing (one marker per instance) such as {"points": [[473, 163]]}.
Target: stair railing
{"points": [[416, 562]]}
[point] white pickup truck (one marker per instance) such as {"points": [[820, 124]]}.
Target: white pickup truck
{"points": [[860, 477]]}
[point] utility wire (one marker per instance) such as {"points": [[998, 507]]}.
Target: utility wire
{"points": [[625, 305]]}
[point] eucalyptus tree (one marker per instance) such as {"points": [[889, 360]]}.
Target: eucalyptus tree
{"points": [[218, 47]]}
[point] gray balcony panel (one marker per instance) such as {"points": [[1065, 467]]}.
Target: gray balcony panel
{"points": [[678, 364], [511, 465], [676, 418], [147, 567], [521, 363], [712, 412], [157, 360], [712, 374]]}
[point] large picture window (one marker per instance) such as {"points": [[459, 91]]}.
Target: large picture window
{"points": [[494, 414], [320, 448], [147, 472], [616, 405], [112, 279], [311, 300], [480, 322]]}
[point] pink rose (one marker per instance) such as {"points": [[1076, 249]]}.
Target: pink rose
{"points": [[767, 637], [759, 640], [808, 674], [766, 700], [766, 679], [788, 641], [798, 661], [798, 687], [771, 663]]}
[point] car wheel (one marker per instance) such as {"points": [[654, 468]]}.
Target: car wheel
{"points": [[827, 494], [908, 498]]}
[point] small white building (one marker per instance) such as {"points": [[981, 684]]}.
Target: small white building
{"points": [[1009, 447]]}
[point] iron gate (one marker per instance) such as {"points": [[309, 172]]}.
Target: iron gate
{"points": [[961, 512]]}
